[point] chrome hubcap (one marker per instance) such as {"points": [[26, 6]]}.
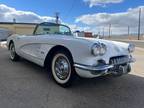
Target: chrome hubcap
{"points": [[62, 68]]}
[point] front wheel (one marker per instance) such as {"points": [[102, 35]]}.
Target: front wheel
{"points": [[13, 54], [62, 68]]}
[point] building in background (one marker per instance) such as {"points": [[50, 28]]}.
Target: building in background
{"points": [[9, 28], [83, 34], [18, 28]]}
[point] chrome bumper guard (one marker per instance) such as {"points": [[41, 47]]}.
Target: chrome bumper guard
{"points": [[100, 67]]}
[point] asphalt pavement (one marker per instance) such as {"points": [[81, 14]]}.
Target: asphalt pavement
{"points": [[26, 85]]}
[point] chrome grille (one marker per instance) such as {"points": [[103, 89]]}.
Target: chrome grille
{"points": [[119, 60]]}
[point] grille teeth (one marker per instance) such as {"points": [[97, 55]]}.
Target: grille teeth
{"points": [[119, 60]]}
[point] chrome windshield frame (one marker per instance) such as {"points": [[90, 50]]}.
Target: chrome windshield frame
{"points": [[50, 24]]}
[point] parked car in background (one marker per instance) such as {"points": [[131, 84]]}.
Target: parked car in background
{"points": [[53, 46], [4, 34]]}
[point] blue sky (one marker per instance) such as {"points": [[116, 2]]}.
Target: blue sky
{"points": [[90, 15], [69, 9]]}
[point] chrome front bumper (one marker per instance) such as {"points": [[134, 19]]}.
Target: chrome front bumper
{"points": [[93, 68], [95, 71]]}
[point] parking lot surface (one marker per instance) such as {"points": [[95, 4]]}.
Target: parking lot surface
{"points": [[26, 85]]}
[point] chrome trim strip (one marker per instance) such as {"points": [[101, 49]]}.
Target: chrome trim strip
{"points": [[93, 68]]}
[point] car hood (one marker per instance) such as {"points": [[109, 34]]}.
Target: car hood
{"points": [[115, 48]]}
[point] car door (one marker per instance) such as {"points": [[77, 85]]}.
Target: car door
{"points": [[30, 47]]}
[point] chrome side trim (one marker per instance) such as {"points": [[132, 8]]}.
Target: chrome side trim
{"points": [[93, 68]]}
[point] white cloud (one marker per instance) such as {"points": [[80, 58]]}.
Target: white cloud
{"points": [[74, 27], [93, 22], [119, 21], [8, 13], [101, 2]]}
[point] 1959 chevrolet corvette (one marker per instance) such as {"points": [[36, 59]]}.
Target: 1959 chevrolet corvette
{"points": [[53, 46]]}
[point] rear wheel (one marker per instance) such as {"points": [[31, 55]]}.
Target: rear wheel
{"points": [[13, 54], [62, 68]]}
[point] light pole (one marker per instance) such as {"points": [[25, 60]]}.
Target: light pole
{"points": [[139, 24], [103, 32], [128, 32], [57, 17], [109, 30]]}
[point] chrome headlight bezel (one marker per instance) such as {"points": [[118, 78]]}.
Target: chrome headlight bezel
{"points": [[95, 49], [131, 48], [98, 49], [103, 49]]}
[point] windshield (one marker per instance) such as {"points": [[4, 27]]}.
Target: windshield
{"points": [[52, 28]]}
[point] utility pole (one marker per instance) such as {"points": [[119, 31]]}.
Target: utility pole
{"points": [[103, 32], [99, 35], [14, 20], [57, 17], [109, 30], [128, 32], [139, 24]]}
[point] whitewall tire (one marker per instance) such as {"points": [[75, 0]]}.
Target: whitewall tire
{"points": [[62, 68], [13, 54]]}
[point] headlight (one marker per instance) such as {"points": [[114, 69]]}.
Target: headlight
{"points": [[103, 49], [98, 49], [95, 50], [131, 48]]}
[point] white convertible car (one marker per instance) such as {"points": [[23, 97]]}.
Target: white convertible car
{"points": [[53, 46]]}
